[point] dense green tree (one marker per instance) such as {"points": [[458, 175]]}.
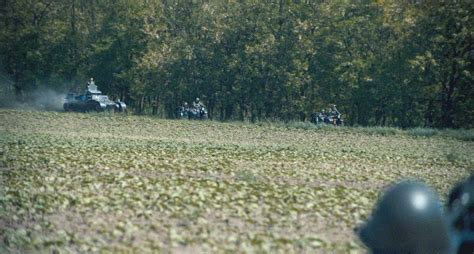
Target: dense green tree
{"points": [[384, 62]]}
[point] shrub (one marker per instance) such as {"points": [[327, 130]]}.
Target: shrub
{"points": [[245, 176], [300, 125], [452, 157], [461, 134], [422, 132], [380, 130]]}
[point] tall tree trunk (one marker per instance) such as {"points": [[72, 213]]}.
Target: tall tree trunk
{"points": [[155, 106], [242, 110], [447, 106], [229, 110], [17, 85], [429, 114], [93, 19], [74, 39]]}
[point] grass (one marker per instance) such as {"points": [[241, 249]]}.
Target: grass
{"points": [[423, 132], [382, 131], [463, 134], [459, 134], [72, 182]]}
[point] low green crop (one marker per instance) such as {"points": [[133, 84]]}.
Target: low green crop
{"points": [[74, 182]]}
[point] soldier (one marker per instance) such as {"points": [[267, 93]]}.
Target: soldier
{"points": [[334, 111], [324, 116], [320, 116], [197, 104], [184, 111], [408, 219], [460, 206], [91, 85], [91, 82]]}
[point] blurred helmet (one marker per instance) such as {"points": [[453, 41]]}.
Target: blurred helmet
{"points": [[185, 104], [408, 219], [462, 196], [197, 99], [460, 206]]}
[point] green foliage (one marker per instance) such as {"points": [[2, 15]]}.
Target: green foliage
{"points": [[385, 63], [246, 176], [452, 157], [301, 125], [463, 134], [383, 131], [422, 132]]}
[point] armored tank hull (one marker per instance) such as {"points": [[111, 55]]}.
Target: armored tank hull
{"points": [[92, 101]]}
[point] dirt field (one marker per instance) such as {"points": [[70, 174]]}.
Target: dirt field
{"points": [[107, 182]]}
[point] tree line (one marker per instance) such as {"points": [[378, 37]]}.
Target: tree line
{"points": [[383, 62]]}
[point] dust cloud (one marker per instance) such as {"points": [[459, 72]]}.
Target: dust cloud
{"points": [[45, 99], [37, 99]]}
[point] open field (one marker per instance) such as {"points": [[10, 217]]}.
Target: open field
{"points": [[101, 182]]}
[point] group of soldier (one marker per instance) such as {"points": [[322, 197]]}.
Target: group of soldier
{"points": [[331, 112], [197, 104], [196, 111], [332, 116]]}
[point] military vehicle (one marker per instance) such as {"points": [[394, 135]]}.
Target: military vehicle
{"points": [[199, 113], [92, 101], [323, 118]]}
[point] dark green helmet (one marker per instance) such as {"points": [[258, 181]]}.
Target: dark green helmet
{"points": [[408, 219]]}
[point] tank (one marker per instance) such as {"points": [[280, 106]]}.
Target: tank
{"points": [[92, 101]]}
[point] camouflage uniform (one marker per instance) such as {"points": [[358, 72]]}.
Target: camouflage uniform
{"points": [[334, 111], [197, 104]]}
